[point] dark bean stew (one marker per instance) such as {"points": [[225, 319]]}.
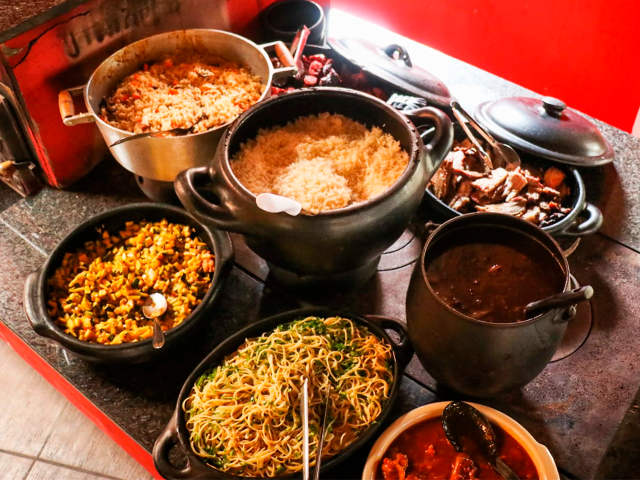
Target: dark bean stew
{"points": [[492, 274]]}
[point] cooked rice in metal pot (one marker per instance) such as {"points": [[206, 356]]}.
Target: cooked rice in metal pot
{"points": [[186, 91]]}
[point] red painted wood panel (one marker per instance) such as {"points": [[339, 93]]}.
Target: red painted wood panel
{"points": [[582, 51]]}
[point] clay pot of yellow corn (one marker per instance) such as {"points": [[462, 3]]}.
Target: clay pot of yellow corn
{"points": [[338, 247], [88, 295]]}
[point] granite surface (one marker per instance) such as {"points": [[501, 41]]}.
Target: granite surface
{"points": [[584, 407], [19, 16]]}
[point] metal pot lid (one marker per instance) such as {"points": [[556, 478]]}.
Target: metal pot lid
{"points": [[546, 128], [393, 65]]}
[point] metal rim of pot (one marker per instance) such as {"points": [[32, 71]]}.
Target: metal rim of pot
{"points": [[437, 142], [562, 257], [35, 291], [175, 432]]}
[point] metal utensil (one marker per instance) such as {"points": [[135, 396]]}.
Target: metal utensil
{"points": [[560, 300], [154, 307], [501, 154], [304, 407], [323, 429], [174, 132], [275, 204], [488, 164], [463, 423]]}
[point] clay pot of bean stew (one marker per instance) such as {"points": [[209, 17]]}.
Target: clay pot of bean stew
{"points": [[471, 354]]}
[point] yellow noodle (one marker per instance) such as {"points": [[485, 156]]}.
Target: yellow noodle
{"points": [[244, 416]]}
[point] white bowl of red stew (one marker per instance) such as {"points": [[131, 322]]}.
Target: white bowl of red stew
{"points": [[415, 447]]}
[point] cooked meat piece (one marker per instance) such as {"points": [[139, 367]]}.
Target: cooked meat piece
{"points": [[490, 184], [515, 183], [564, 190], [461, 165], [463, 468], [532, 215], [553, 177], [551, 219], [440, 182], [515, 207], [395, 469], [533, 182], [532, 195], [481, 198], [461, 198], [550, 191]]}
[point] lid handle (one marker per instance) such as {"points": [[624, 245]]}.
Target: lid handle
{"points": [[553, 106], [401, 52]]}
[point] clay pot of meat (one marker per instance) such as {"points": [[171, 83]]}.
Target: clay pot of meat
{"points": [[583, 218], [340, 247], [468, 328]]}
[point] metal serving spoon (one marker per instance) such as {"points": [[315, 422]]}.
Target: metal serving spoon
{"points": [[560, 300], [464, 424], [174, 132], [501, 154], [154, 307]]}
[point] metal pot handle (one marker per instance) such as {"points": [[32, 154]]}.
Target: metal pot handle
{"points": [[591, 224], [31, 300], [165, 442], [67, 108], [403, 349], [286, 59], [186, 185], [441, 142]]}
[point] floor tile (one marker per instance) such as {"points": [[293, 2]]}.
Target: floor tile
{"points": [[13, 467], [30, 405], [76, 441], [46, 471]]}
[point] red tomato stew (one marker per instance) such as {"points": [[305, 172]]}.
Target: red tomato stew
{"points": [[423, 452]]}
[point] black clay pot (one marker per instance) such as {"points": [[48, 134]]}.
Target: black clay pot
{"points": [[35, 290], [176, 433], [343, 244], [584, 218], [470, 356]]}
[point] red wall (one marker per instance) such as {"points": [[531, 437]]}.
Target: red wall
{"points": [[585, 52]]}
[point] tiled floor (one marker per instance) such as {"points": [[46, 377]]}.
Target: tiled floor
{"points": [[44, 437]]}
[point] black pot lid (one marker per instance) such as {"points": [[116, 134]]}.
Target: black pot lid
{"points": [[393, 65], [546, 128]]}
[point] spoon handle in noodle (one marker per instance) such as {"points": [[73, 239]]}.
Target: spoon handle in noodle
{"points": [[304, 405]]}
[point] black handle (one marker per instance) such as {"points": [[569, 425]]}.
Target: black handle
{"points": [[403, 349], [32, 299], [186, 185], [165, 442], [592, 222], [402, 52], [440, 144]]}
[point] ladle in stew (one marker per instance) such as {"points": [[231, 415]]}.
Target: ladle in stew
{"points": [[560, 300], [465, 427]]}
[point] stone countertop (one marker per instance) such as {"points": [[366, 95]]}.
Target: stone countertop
{"points": [[593, 390], [19, 16]]}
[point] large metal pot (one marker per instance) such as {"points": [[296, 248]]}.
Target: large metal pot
{"points": [[161, 159], [470, 356], [341, 246]]}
